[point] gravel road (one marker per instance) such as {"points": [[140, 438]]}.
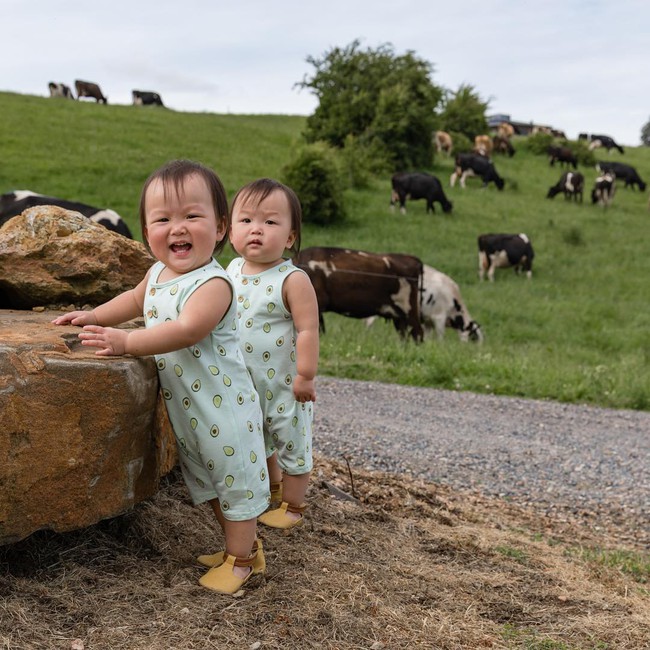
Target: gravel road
{"points": [[561, 459]]}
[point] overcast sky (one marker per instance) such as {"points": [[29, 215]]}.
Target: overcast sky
{"points": [[577, 65]]}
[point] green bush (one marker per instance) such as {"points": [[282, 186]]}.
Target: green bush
{"points": [[582, 152], [539, 143], [315, 177], [462, 144], [360, 161]]}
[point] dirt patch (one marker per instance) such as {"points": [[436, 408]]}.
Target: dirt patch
{"points": [[407, 565]]}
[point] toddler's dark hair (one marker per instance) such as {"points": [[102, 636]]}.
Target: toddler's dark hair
{"points": [[172, 175], [259, 189]]}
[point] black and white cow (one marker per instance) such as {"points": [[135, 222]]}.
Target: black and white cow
{"points": [[418, 186], [623, 172], [60, 90], [562, 155], [360, 284], [442, 306], [604, 189], [571, 183], [471, 164], [146, 98], [90, 89], [604, 141], [15, 203], [504, 251]]}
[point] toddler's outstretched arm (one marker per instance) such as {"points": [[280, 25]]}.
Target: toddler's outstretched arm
{"points": [[201, 313], [123, 307]]}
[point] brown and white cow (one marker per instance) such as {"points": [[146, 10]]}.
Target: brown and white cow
{"points": [[503, 251], [483, 145], [503, 145], [360, 284], [89, 89], [505, 130], [442, 306], [443, 142]]}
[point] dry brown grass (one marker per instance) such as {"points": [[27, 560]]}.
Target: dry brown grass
{"points": [[410, 565]]}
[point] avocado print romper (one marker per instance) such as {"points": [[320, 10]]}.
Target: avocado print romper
{"points": [[211, 402], [268, 340]]}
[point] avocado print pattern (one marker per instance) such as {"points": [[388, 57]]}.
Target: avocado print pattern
{"points": [[211, 401], [268, 344]]}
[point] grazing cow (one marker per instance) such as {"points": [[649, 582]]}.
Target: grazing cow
{"points": [[60, 90], [505, 130], [583, 136], [483, 145], [146, 98], [604, 189], [604, 141], [503, 145], [571, 183], [504, 251], [418, 186], [360, 284], [14, 203], [443, 142], [470, 164], [622, 172], [441, 306], [90, 89], [563, 155]]}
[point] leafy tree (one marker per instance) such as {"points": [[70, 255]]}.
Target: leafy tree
{"points": [[384, 101], [463, 111], [645, 134]]}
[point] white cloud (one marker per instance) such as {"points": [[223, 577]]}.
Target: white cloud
{"points": [[578, 65]]}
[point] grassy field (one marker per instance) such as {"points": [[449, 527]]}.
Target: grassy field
{"points": [[577, 332], [407, 564]]}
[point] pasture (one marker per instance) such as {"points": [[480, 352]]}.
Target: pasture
{"points": [[576, 332], [411, 564]]}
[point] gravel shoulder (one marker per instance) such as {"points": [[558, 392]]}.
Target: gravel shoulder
{"points": [[584, 463]]}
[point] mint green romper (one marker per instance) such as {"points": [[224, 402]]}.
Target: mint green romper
{"points": [[268, 340], [211, 402]]}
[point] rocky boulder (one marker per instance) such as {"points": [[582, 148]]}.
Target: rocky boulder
{"points": [[49, 255], [83, 437]]}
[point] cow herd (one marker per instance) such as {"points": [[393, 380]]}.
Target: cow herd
{"points": [[496, 250], [92, 90]]}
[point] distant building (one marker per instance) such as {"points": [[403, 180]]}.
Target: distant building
{"points": [[494, 120]]}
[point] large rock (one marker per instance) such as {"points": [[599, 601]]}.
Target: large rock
{"points": [[49, 255], [82, 437]]}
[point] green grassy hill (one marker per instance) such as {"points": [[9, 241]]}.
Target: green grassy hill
{"points": [[577, 332]]}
